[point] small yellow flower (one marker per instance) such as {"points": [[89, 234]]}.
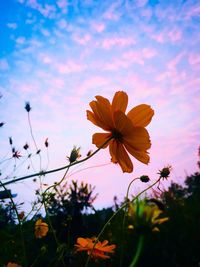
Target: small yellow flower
{"points": [[41, 228], [124, 132], [145, 216], [12, 264], [99, 251]]}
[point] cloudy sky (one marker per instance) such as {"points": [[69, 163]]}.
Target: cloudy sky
{"points": [[59, 54]]}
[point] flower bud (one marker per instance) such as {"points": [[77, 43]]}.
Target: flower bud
{"points": [[165, 172], [144, 178], [75, 154], [27, 107], [26, 146]]}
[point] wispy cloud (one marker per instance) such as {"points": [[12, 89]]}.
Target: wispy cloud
{"points": [[12, 25], [4, 64], [60, 55]]}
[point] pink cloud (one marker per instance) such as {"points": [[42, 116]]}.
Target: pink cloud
{"points": [[82, 40], [175, 35], [149, 52], [45, 32], [112, 13], [20, 40], [133, 57], [24, 88], [168, 13], [172, 75], [30, 20], [117, 41], [45, 58], [62, 4], [193, 11], [158, 37], [141, 3], [139, 87], [98, 27], [4, 64], [91, 83], [47, 11], [130, 57], [62, 24], [146, 13], [175, 61], [194, 59], [69, 67]]}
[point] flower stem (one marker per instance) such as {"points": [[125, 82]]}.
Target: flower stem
{"points": [[138, 251], [111, 218], [124, 221], [48, 217], [55, 170], [19, 221]]}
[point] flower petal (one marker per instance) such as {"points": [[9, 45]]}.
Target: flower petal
{"points": [[107, 248], [95, 119], [82, 241], [142, 156], [104, 111], [120, 101], [113, 150], [124, 159], [104, 243], [100, 115], [141, 115], [139, 139], [119, 155], [98, 254], [99, 139], [122, 123]]}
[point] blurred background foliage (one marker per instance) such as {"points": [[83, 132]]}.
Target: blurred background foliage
{"points": [[72, 214]]}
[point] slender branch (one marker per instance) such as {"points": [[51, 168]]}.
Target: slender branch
{"points": [[124, 220], [55, 170], [36, 147], [110, 219], [48, 217], [19, 221]]}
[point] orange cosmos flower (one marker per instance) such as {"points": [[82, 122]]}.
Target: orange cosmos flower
{"points": [[11, 264], [87, 244], [41, 228], [124, 132]]}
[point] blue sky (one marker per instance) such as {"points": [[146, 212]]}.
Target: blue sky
{"points": [[60, 54]]}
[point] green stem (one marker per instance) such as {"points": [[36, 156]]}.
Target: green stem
{"points": [[124, 221], [110, 219], [19, 221], [138, 251], [36, 147], [55, 170], [47, 214]]}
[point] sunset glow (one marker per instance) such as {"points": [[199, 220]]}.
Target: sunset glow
{"points": [[59, 55]]}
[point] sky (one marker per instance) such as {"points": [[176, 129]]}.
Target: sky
{"points": [[60, 54]]}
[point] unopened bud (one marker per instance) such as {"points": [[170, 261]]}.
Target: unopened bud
{"points": [[26, 146], [144, 178], [27, 107], [46, 142], [165, 172], [75, 154]]}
